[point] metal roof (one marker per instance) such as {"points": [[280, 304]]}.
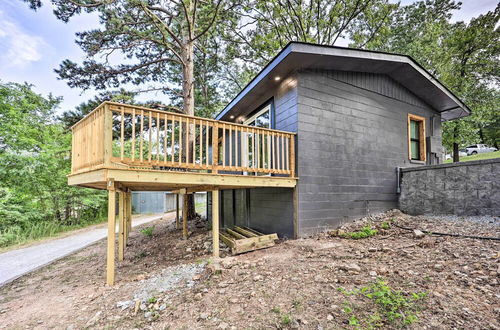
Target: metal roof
{"points": [[402, 68]]}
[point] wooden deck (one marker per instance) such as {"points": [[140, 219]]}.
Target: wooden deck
{"points": [[123, 148], [147, 149]]}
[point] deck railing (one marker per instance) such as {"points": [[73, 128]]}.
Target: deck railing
{"points": [[125, 136]]}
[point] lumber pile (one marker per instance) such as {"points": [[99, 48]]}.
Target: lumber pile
{"points": [[244, 239]]}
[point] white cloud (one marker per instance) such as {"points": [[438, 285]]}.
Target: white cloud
{"points": [[18, 48]]}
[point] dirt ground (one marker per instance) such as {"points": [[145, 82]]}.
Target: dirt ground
{"points": [[392, 279]]}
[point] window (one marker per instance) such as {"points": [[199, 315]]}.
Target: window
{"points": [[261, 118], [416, 138]]}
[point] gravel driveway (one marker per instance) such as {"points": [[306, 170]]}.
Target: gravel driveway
{"points": [[16, 263]]}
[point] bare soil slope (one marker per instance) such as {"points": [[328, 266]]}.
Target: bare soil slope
{"points": [[391, 279]]}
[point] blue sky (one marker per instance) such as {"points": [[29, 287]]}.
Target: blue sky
{"points": [[33, 43]]}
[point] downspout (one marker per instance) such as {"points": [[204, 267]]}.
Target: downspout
{"points": [[398, 180]]}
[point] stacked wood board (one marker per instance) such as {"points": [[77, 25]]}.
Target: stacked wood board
{"points": [[244, 239]]}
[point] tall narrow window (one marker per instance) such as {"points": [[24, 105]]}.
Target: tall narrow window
{"points": [[258, 145], [416, 138]]}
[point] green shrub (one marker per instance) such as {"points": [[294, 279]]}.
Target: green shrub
{"points": [[392, 306], [148, 231], [386, 225], [365, 232]]}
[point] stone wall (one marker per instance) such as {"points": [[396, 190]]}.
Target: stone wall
{"points": [[468, 188]]}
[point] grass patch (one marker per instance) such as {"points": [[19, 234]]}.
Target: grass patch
{"points": [[35, 231], [286, 319], [148, 231], [391, 307], [487, 155], [386, 225], [365, 232]]}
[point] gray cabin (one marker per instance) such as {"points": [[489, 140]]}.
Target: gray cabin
{"points": [[359, 116]]}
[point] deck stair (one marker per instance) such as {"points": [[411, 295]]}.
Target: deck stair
{"points": [[244, 239]]}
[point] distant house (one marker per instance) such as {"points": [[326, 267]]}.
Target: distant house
{"points": [[358, 115]]}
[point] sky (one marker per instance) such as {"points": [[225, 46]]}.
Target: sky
{"points": [[33, 44]]}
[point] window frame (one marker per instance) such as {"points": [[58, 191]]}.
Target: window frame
{"points": [[260, 110], [421, 137]]}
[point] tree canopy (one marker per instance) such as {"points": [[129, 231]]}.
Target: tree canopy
{"points": [[34, 162], [463, 56]]}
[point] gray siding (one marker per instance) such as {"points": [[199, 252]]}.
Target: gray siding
{"points": [[352, 134]]}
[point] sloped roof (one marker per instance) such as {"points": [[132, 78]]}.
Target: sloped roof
{"points": [[401, 68]]}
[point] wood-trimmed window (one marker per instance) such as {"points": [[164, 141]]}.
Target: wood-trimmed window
{"points": [[416, 138]]}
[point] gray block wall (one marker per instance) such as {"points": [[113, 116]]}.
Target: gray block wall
{"points": [[468, 188], [271, 211], [352, 134]]}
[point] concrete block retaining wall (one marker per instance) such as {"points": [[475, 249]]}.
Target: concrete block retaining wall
{"points": [[468, 188]]}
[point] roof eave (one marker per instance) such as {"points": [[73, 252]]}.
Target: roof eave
{"points": [[307, 48]]}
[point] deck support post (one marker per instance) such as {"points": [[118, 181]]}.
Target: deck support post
{"points": [[128, 199], [110, 263], [295, 213], [215, 223], [125, 218], [184, 214], [177, 219], [121, 225]]}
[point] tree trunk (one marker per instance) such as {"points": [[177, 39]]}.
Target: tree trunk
{"points": [[191, 212], [481, 135], [188, 106], [188, 77], [456, 156]]}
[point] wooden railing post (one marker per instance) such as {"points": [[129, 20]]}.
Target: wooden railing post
{"points": [[292, 156], [108, 135], [215, 147]]}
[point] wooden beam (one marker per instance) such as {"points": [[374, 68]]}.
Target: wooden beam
{"points": [[197, 179], [98, 175], [177, 222], [194, 189], [245, 232], [295, 213], [215, 223], [108, 135], [121, 225], [110, 264], [184, 217], [129, 215]]}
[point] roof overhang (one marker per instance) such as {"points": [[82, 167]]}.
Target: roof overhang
{"points": [[402, 68]]}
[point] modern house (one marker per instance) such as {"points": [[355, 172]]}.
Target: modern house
{"points": [[358, 116], [314, 140]]}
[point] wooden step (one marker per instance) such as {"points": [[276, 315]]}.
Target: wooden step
{"points": [[244, 239]]}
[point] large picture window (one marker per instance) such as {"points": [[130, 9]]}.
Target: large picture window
{"points": [[416, 138]]}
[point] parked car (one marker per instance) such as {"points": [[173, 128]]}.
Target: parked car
{"points": [[479, 149], [461, 153]]}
